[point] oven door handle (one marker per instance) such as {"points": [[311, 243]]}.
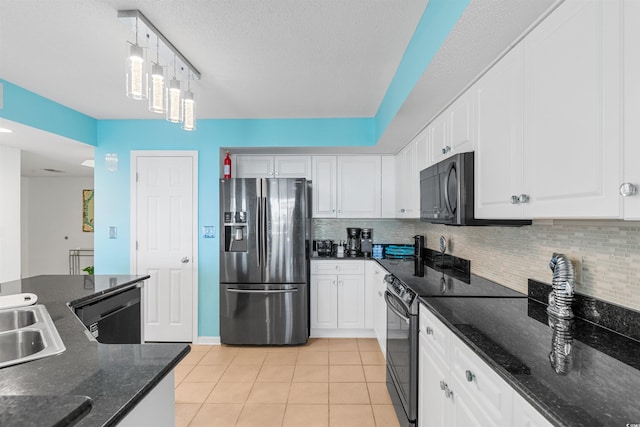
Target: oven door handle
{"points": [[403, 316]]}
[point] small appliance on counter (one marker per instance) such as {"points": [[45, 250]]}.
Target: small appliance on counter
{"points": [[366, 242], [324, 247], [353, 242]]}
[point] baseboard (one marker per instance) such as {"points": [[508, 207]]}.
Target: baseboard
{"points": [[342, 333], [208, 341]]}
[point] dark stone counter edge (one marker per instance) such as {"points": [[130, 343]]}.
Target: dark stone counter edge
{"points": [[99, 295], [137, 398], [530, 397]]}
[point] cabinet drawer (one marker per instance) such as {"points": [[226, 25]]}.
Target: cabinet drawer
{"points": [[337, 267], [435, 333], [493, 395]]}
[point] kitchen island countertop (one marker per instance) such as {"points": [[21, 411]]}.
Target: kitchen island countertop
{"points": [[113, 378]]}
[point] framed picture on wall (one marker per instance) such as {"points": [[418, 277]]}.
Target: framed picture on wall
{"points": [[87, 210]]}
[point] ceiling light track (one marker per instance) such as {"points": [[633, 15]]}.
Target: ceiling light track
{"points": [[146, 80]]}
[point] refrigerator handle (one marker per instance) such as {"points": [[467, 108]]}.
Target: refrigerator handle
{"points": [[263, 238], [259, 229]]}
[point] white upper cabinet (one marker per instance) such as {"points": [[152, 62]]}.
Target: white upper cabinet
{"points": [[631, 170], [324, 186], [347, 186], [407, 182], [499, 138], [452, 131], [263, 166], [572, 115], [548, 131], [359, 187]]}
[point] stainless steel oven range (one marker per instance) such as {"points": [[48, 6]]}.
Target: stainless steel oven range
{"points": [[402, 349]]}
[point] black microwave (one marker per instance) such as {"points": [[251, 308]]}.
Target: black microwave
{"points": [[446, 194]]}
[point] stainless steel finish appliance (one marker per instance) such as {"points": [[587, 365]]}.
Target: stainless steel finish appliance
{"points": [[447, 194], [353, 242], [366, 242], [402, 349], [264, 297]]}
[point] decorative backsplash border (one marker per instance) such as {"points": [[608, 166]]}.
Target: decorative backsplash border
{"points": [[611, 316]]}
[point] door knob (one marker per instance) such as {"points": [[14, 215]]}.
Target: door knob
{"points": [[185, 260]]}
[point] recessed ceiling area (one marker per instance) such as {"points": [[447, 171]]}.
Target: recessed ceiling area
{"points": [[259, 59]]}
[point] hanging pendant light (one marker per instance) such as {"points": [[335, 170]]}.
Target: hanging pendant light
{"points": [[188, 109], [156, 85], [173, 97], [136, 75]]}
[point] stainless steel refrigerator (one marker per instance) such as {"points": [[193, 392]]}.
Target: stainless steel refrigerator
{"points": [[264, 294]]}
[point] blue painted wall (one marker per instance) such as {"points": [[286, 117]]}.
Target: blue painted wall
{"points": [[112, 204], [28, 108]]}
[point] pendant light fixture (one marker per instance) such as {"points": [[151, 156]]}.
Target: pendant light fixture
{"points": [[188, 109], [136, 75], [173, 98], [156, 85], [164, 96]]}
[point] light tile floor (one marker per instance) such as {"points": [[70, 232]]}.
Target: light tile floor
{"points": [[327, 382]]}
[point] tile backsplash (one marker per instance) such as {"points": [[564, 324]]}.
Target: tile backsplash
{"points": [[606, 254]]}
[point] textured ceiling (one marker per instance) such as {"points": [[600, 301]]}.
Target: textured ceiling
{"points": [[258, 58]]}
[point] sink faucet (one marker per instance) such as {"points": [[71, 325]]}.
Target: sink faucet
{"points": [[561, 296]]}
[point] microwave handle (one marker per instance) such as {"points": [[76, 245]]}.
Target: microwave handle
{"points": [[447, 203]]}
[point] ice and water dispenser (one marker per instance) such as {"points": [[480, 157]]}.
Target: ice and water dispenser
{"points": [[235, 232]]}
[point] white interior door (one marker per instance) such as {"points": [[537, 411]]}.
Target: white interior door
{"points": [[165, 203]]}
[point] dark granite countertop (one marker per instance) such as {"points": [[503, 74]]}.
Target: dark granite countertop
{"points": [[595, 386], [114, 377]]}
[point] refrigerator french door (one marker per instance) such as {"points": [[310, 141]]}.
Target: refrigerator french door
{"points": [[263, 261]]}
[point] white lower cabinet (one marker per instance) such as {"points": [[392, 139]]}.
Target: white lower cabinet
{"points": [[457, 388], [338, 298], [375, 288]]}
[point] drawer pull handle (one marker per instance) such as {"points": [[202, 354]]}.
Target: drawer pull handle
{"points": [[470, 376]]}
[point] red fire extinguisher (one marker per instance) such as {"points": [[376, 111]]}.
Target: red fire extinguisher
{"points": [[227, 166]]}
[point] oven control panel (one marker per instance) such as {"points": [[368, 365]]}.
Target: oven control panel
{"points": [[399, 289]]}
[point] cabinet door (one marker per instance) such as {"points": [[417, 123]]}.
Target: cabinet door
{"points": [[572, 112], [388, 190], [324, 186], [631, 107], [525, 415], [292, 166], [433, 406], [253, 166], [499, 138], [408, 184], [493, 396], [439, 130], [380, 316], [351, 301], [359, 187], [461, 123], [324, 301]]}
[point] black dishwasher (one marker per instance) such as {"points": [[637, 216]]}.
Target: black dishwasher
{"points": [[114, 319]]}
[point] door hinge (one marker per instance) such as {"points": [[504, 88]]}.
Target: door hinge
{"points": [[136, 176], [136, 245]]}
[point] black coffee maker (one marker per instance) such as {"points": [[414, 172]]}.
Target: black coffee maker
{"points": [[353, 242]]}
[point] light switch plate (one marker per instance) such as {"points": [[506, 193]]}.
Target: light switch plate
{"points": [[208, 232], [113, 232]]}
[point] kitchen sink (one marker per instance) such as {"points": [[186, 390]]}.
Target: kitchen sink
{"points": [[26, 334], [16, 319]]}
